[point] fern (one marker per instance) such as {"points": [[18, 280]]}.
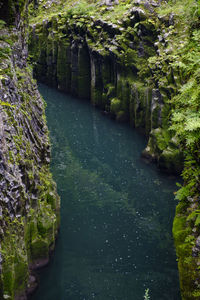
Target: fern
{"points": [[192, 123]]}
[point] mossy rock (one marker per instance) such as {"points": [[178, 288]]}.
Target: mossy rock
{"points": [[14, 275], [140, 106], [21, 273], [52, 200], [184, 242], [171, 160], [45, 227], [8, 278], [158, 141], [115, 105], [165, 150], [39, 248]]}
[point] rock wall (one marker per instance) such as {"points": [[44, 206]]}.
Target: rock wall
{"points": [[29, 204], [101, 61]]}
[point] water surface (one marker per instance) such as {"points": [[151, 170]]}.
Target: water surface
{"points": [[116, 211]]}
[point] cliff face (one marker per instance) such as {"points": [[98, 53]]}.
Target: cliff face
{"points": [[29, 204], [105, 59], [139, 62]]}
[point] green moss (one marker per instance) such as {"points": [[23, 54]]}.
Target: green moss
{"points": [[172, 160], [39, 249], [158, 141], [21, 273], [179, 229], [165, 150], [115, 105], [15, 265], [40, 231], [8, 277], [140, 106], [184, 241]]}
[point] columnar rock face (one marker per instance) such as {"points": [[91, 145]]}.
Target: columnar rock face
{"points": [[101, 61], [29, 204]]}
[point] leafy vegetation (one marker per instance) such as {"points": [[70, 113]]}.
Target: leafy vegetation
{"points": [[178, 60]]}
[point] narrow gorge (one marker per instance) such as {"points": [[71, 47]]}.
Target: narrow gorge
{"points": [[138, 62]]}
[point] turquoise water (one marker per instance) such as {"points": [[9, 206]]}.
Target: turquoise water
{"points": [[116, 211]]}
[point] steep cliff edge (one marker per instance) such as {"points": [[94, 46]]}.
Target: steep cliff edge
{"points": [[29, 204], [139, 62]]}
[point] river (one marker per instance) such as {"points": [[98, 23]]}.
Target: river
{"points": [[115, 240]]}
